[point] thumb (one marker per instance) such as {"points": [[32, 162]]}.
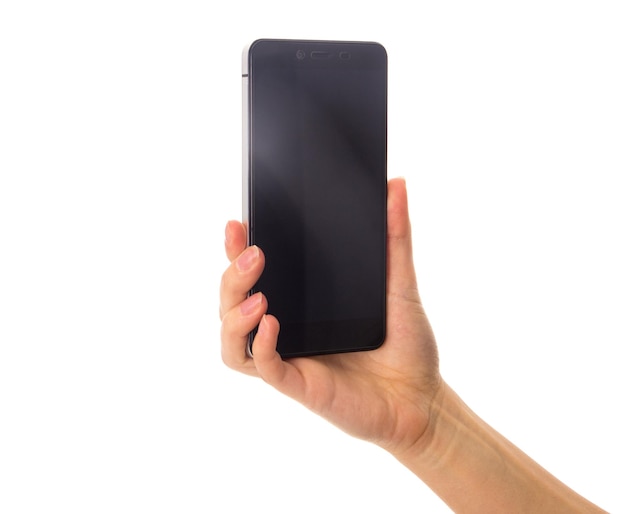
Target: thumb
{"points": [[400, 268]]}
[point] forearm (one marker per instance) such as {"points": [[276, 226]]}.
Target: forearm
{"points": [[474, 469]]}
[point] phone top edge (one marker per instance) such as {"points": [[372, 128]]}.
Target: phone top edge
{"points": [[245, 64], [310, 41]]}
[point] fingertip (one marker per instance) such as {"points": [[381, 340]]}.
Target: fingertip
{"points": [[229, 230], [268, 362], [267, 333], [397, 190], [235, 238], [397, 209], [397, 180]]}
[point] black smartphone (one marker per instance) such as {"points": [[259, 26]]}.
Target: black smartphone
{"points": [[315, 189]]}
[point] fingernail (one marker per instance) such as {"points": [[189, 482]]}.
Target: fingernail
{"points": [[250, 304], [247, 258], [263, 324]]}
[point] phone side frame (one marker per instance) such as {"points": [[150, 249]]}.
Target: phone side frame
{"points": [[245, 160], [245, 139]]}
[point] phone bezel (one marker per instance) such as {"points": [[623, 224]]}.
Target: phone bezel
{"points": [[308, 46]]}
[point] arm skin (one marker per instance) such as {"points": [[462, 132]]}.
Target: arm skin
{"points": [[393, 396]]}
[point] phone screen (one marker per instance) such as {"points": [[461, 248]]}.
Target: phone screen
{"points": [[316, 190]]}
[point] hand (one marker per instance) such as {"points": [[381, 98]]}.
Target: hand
{"points": [[383, 395], [393, 396]]}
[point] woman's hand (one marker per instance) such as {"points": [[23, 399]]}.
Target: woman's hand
{"points": [[383, 395]]}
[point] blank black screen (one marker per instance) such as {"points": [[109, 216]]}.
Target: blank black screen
{"points": [[318, 191]]}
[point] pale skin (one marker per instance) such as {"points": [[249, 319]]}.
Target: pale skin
{"points": [[394, 396]]}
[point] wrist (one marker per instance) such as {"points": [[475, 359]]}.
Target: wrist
{"points": [[430, 447], [473, 468]]}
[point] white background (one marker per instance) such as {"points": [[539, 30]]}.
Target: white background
{"points": [[120, 161]]}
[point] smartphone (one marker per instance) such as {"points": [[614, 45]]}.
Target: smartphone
{"points": [[315, 189]]}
